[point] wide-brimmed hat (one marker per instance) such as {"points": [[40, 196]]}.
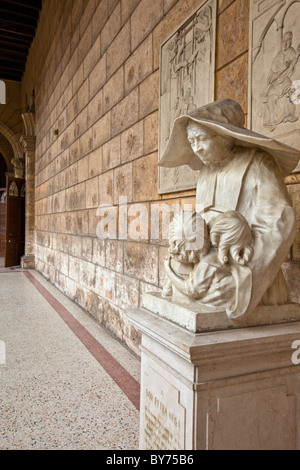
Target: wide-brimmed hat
{"points": [[225, 118]]}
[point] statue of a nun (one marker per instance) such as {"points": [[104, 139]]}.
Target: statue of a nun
{"points": [[248, 219]]}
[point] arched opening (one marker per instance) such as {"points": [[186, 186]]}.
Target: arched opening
{"points": [[7, 153], [3, 171], [12, 203]]}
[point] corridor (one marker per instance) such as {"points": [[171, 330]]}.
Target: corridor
{"points": [[65, 383]]}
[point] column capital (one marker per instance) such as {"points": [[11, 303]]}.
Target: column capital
{"points": [[28, 142]]}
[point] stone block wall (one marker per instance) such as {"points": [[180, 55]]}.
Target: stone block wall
{"points": [[94, 67]]}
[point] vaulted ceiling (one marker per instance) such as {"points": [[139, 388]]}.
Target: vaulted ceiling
{"points": [[18, 21]]}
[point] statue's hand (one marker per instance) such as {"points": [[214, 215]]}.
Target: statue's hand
{"points": [[231, 233], [223, 254], [242, 256], [239, 259], [223, 258], [248, 253]]}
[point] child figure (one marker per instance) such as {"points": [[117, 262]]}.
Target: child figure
{"points": [[208, 264]]}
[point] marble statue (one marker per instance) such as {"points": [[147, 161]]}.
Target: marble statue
{"points": [[229, 254]]}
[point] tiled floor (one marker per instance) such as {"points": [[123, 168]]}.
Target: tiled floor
{"points": [[65, 382]]}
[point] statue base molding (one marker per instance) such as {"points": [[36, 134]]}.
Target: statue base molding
{"points": [[227, 389], [198, 318]]}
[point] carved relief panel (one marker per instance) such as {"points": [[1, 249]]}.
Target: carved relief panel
{"points": [[187, 70], [274, 68]]}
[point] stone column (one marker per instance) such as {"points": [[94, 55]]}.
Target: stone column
{"points": [[28, 144]]}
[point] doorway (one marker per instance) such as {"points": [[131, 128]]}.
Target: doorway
{"points": [[3, 171], [15, 221], [12, 218]]}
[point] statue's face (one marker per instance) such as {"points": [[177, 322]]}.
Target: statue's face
{"points": [[210, 148], [286, 42], [182, 255]]}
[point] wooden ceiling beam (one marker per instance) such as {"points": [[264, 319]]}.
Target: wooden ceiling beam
{"points": [[13, 57], [13, 45], [14, 76], [7, 7], [12, 27], [16, 39], [18, 21], [13, 66], [34, 5], [11, 51]]}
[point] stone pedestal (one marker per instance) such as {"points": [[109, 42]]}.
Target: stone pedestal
{"points": [[28, 262], [230, 388]]}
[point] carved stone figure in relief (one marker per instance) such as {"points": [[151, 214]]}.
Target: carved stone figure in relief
{"points": [[278, 102], [188, 47], [248, 219]]}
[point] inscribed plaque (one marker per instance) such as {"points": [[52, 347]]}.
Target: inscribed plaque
{"points": [[274, 70], [187, 69], [163, 417]]}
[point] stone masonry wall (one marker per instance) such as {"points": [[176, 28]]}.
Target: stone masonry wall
{"points": [[94, 67]]}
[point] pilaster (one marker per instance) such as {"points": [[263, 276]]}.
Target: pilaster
{"points": [[28, 143]]}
